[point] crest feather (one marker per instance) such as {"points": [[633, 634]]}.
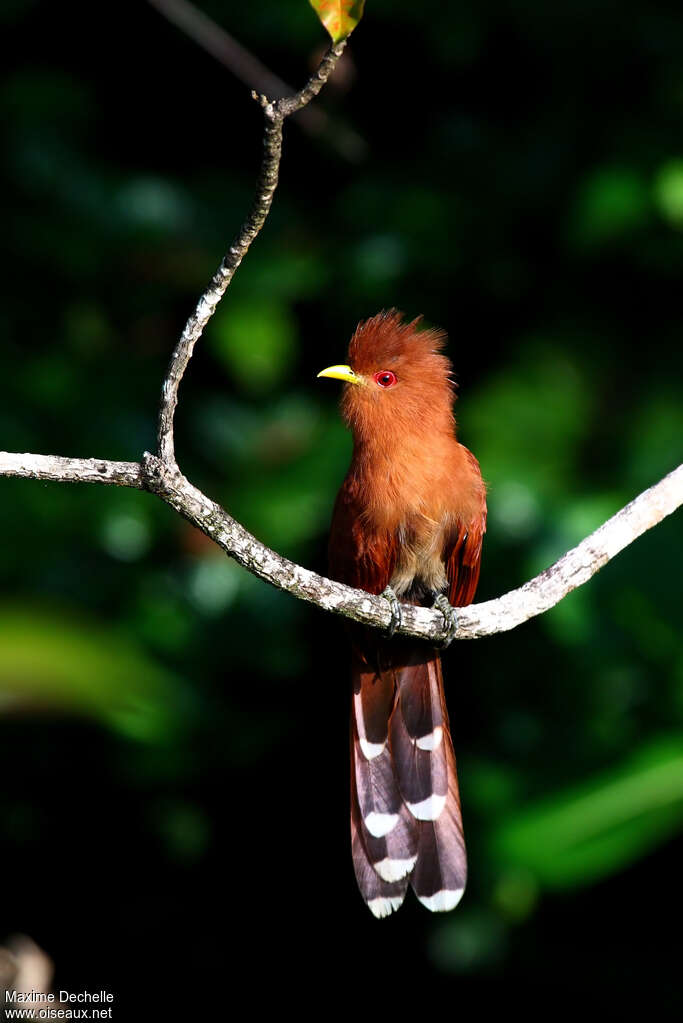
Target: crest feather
{"points": [[385, 338]]}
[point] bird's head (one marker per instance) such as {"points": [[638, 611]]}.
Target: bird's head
{"points": [[396, 378]]}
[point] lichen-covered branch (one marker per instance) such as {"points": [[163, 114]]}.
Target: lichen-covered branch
{"points": [[274, 113], [160, 475], [72, 470], [478, 620]]}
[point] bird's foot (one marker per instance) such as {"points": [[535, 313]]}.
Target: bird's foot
{"points": [[442, 604], [396, 613]]}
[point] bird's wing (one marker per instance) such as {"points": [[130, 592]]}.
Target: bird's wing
{"points": [[359, 556], [463, 553]]}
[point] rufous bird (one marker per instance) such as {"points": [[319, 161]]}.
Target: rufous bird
{"points": [[408, 523]]}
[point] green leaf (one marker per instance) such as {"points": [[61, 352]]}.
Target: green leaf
{"points": [[339, 17], [255, 342], [597, 829], [668, 191], [55, 664], [544, 401], [613, 202]]}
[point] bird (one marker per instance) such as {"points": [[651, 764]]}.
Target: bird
{"points": [[408, 523]]}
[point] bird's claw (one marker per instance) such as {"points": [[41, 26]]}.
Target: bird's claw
{"points": [[442, 604], [396, 613]]}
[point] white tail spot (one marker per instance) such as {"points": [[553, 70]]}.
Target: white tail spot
{"points": [[394, 870], [383, 907], [443, 901], [431, 741], [429, 809], [371, 749], [380, 824]]}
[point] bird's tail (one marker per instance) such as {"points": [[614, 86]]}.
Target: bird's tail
{"points": [[406, 826]]}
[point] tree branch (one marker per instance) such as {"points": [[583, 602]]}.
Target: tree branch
{"points": [[161, 476], [72, 470], [475, 621], [274, 112]]}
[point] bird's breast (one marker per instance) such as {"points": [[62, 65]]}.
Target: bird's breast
{"points": [[420, 561], [422, 497], [420, 521]]}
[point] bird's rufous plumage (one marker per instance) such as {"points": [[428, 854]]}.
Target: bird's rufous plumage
{"points": [[411, 514]]}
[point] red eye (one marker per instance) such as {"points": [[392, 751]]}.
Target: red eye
{"points": [[385, 378]]}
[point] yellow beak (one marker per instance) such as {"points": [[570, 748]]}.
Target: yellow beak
{"points": [[341, 373]]}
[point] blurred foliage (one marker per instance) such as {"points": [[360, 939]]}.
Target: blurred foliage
{"points": [[162, 711], [575, 837], [51, 664]]}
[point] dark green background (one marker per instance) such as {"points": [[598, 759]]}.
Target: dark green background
{"points": [[173, 738]]}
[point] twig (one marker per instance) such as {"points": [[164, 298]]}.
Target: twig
{"points": [[213, 38], [475, 621], [275, 112]]}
